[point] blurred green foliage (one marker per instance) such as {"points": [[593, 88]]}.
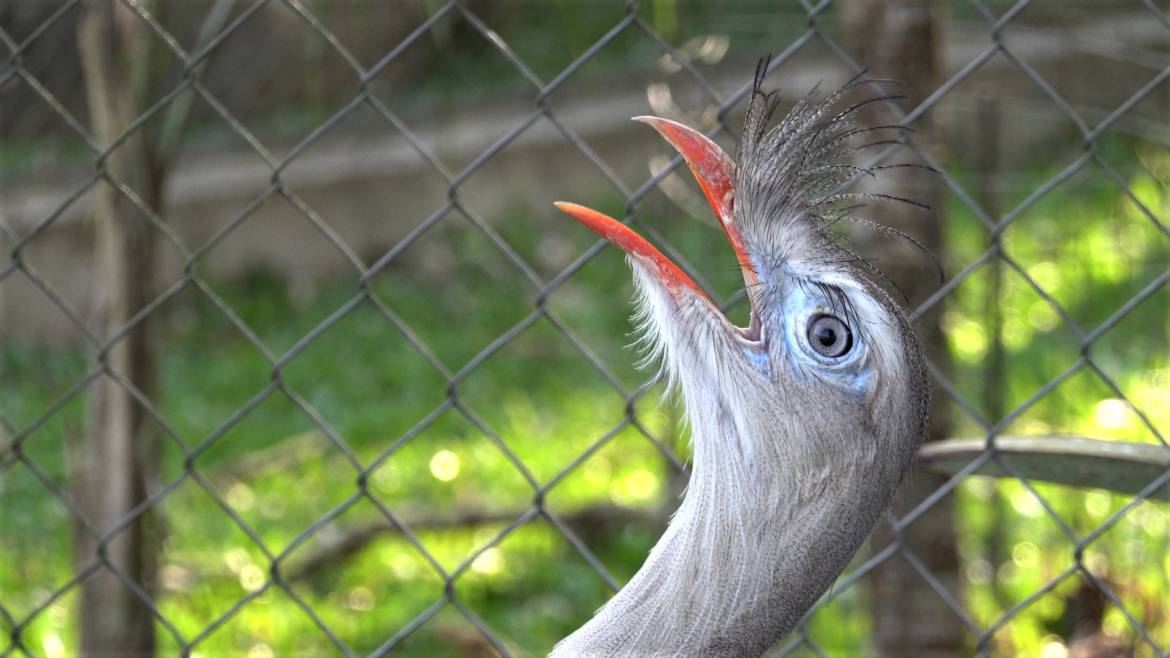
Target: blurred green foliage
{"points": [[279, 472]]}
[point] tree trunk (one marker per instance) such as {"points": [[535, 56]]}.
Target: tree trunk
{"points": [[896, 39], [119, 448]]}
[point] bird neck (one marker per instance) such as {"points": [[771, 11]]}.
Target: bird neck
{"points": [[751, 548]]}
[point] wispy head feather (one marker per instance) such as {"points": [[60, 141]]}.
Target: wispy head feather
{"points": [[792, 179]]}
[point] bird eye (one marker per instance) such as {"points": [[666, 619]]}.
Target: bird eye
{"points": [[829, 336]]}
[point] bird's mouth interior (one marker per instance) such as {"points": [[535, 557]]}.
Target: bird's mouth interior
{"points": [[715, 172]]}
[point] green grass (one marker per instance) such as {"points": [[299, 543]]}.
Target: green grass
{"points": [[281, 471]]}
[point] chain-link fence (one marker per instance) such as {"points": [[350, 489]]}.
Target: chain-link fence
{"points": [[443, 448]]}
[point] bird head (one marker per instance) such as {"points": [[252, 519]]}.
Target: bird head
{"points": [[803, 422], [827, 374]]}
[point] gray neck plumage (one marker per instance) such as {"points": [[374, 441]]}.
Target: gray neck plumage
{"points": [[747, 553]]}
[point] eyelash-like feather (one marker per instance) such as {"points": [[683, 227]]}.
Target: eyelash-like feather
{"points": [[792, 177]]}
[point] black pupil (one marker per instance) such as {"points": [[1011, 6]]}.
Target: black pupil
{"points": [[826, 336]]}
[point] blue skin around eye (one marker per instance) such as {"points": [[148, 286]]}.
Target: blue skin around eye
{"points": [[758, 359], [859, 383], [799, 302], [851, 372]]}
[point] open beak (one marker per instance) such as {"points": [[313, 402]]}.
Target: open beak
{"points": [[715, 172], [627, 240]]}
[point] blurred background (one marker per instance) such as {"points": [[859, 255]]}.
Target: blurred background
{"points": [[297, 358]]}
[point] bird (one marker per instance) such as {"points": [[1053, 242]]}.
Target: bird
{"points": [[803, 422]]}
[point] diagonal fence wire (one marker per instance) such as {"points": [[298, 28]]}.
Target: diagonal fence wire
{"points": [[632, 24]]}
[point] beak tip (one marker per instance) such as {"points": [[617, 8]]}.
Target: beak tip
{"points": [[595, 221], [657, 123]]}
